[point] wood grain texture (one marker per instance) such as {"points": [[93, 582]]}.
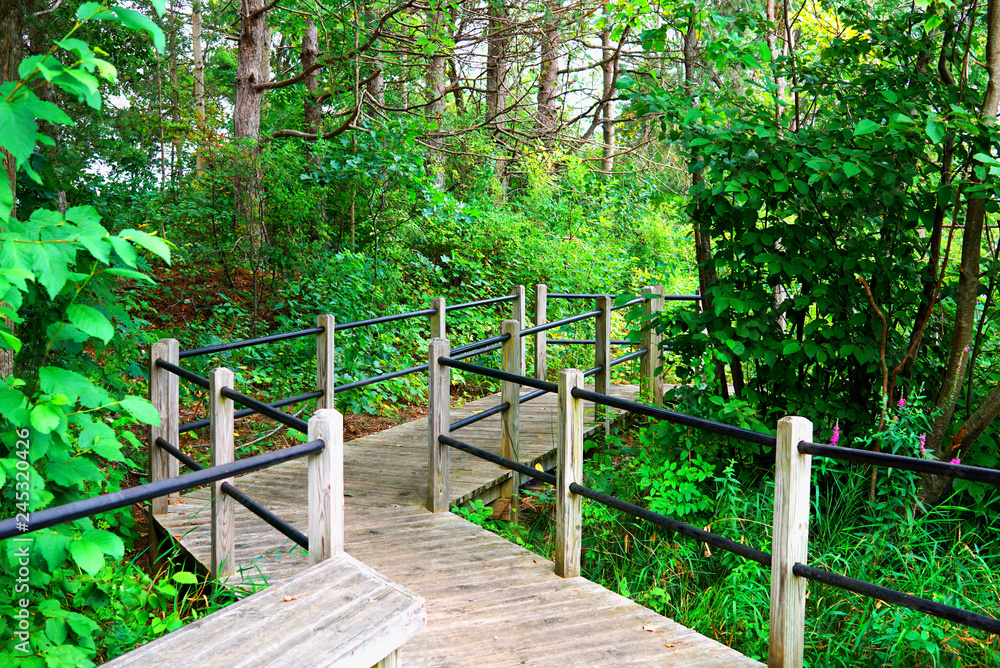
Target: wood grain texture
{"points": [[602, 352], [569, 470], [541, 338], [164, 395], [223, 561], [792, 480], [439, 420], [337, 613], [510, 421], [519, 313], [489, 602], [326, 486], [652, 382], [325, 362], [439, 328]]}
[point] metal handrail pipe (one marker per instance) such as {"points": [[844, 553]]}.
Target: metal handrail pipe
{"points": [[340, 326], [630, 356], [200, 424], [378, 379], [559, 323], [931, 466], [634, 302], [591, 342], [264, 409], [481, 302], [478, 344], [525, 398], [715, 540], [499, 375], [183, 373], [476, 417], [926, 606], [590, 372], [241, 497], [677, 418], [49, 517], [477, 352], [222, 347], [682, 298], [497, 459]]}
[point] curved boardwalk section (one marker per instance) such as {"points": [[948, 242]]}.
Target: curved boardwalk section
{"points": [[489, 602]]}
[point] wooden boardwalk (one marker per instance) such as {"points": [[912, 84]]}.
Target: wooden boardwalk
{"points": [[489, 602]]}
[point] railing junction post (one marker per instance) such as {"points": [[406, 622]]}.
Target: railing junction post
{"points": [[790, 545], [326, 486], [164, 394], [325, 361], [652, 382], [223, 560], [509, 419], [541, 338], [519, 315], [602, 358], [438, 330], [569, 470], [438, 423]]}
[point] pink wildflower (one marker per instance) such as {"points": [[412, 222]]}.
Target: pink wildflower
{"points": [[923, 445], [956, 460], [901, 403], [836, 435]]}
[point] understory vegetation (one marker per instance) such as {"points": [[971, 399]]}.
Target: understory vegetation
{"points": [[823, 174]]}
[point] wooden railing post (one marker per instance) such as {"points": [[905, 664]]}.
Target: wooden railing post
{"points": [[509, 419], [569, 470], [602, 357], [223, 559], [325, 363], [519, 313], [438, 330], [791, 543], [541, 338], [438, 423], [652, 382], [165, 396], [326, 486]]}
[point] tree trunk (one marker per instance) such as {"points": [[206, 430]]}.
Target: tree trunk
{"points": [[933, 488], [199, 79], [10, 58], [250, 70], [435, 109], [608, 67], [312, 112], [547, 115], [497, 44]]}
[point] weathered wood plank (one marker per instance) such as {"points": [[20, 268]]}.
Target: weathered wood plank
{"points": [[223, 561]]}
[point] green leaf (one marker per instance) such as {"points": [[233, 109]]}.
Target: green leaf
{"points": [[154, 245], [19, 128], [10, 401], [866, 126], [45, 418], [109, 543], [137, 21], [91, 321], [790, 347], [56, 380], [160, 6], [52, 546], [56, 630], [851, 169], [87, 556], [89, 10], [141, 410], [934, 130], [128, 273], [183, 577]]}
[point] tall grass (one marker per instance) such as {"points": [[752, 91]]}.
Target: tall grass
{"points": [[945, 553]]}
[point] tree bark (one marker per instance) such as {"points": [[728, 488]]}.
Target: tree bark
{"points": [[435, 108], [312, 112], [547, 115], [10, 57], [608, 66], [199, 79], [934, 487], [250, 69]]}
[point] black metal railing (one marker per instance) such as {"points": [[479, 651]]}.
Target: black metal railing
{"points": [[902, 599], [49, 517]]}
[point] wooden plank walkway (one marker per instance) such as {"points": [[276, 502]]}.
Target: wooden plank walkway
{"points": [[489, 602]]}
